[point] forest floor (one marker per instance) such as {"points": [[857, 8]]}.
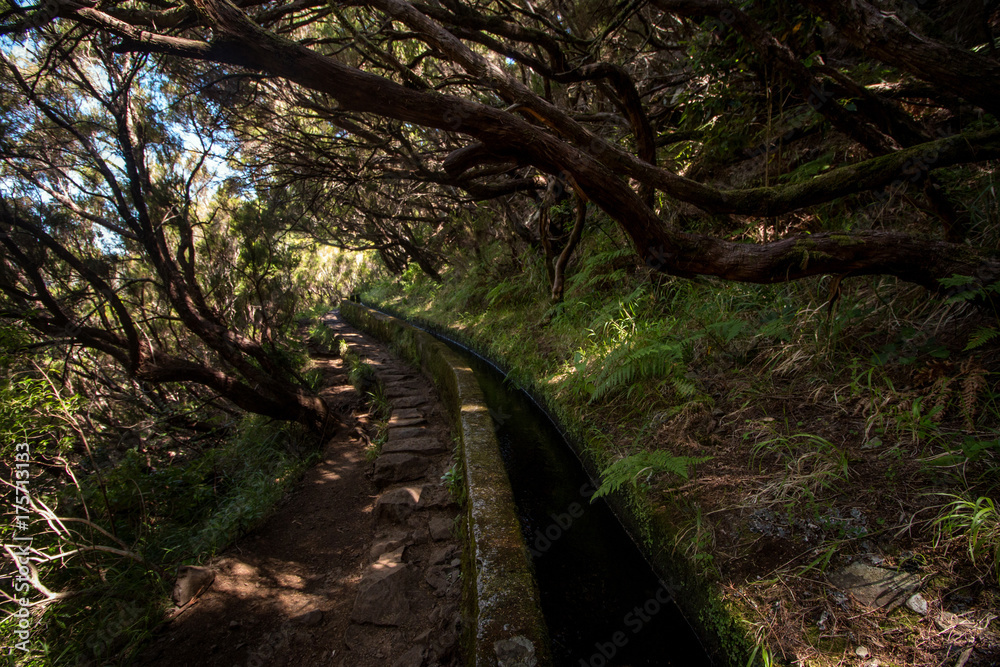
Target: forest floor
{"points": [[319, 582]]}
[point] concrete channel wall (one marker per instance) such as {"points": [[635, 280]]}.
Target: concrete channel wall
{"points": [[502, 596]]}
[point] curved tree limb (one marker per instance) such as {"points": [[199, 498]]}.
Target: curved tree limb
{"points": [[596, 167]]}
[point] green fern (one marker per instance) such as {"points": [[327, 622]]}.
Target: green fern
{"points": [[505, 293], [631, 468], [611, 256], [727, 330], [981, 336], [626, 366], [684, 387], [604, 267]]}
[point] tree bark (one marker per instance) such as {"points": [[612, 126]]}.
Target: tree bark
{"points": [[964, 73], [559, 269]]}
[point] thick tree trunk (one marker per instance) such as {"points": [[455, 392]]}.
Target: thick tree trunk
{"points": [[921, 261]]}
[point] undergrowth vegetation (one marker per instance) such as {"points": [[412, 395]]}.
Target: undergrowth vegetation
{"points": [[107, 589], [366, 381]]}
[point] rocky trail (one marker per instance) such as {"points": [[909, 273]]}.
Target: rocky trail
{"points": [[359, 565]]}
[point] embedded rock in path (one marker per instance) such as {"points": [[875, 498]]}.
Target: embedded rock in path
{"points": [[436, 496], [440, 578], [399, 389], [397, 505], [390, 542], [917, 604], [412, 421], [396, 377], [310, 618], [382, 593], [442, 554], [412, 658], [875, 586], [948, 621], [440, 528], [192, 581], [397, 467], [407, 413]]}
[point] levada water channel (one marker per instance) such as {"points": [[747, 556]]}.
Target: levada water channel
{"points": [[602, 602]]}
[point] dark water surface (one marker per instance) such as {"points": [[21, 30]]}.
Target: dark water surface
{"points": [[602, 602]]}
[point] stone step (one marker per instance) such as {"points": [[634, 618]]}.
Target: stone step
{"points": [[410, 401], [399, 467], [435, 496], [407, 413], [441, 527], [404, 432], [393, 540], [382, 595], [425, 445], [396, 377], [397, 390], [406, 422], [395, 505]]}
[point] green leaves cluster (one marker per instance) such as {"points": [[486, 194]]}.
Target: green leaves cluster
{"points": [[628, 366], [640, 467], [966, 288], [978, 522], [30, 410]]}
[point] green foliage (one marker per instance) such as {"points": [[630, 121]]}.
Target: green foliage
{"points": [[625, 367], [324, 338], [966, 288], [454, 479], [810, 463], [760, 656], [164, 516], [381, 410], [239, 484], [810, 169], [978, 523], [727, 330], [630, 469], [579, 383], [981, 336], [920, 422], [30, 412], [363, 377], [508, 292]]}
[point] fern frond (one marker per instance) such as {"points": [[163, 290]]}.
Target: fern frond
{"points": [[626, 366], [981, 336], [685, 387], [631, 468]]}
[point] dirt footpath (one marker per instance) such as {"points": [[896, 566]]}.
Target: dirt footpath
{"points": [[359, 565]]}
